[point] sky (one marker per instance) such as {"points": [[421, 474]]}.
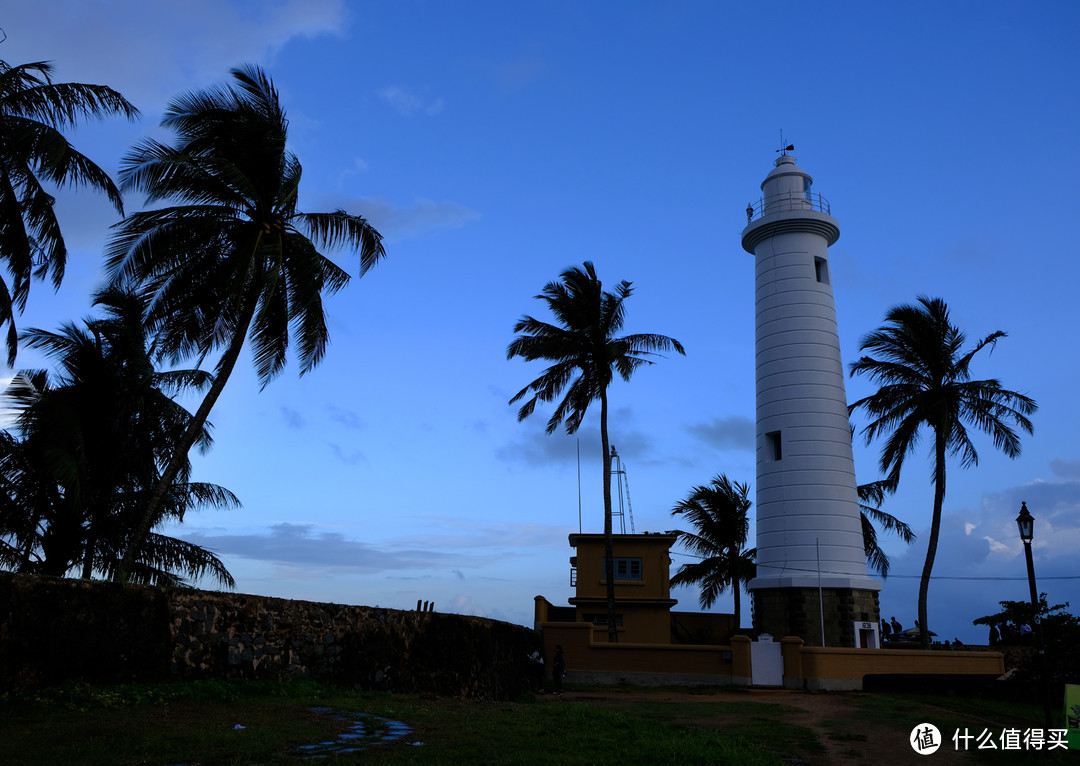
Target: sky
{"points": [[496, 144]]}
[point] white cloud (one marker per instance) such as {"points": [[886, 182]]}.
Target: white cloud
{"points": [[292, 544], [406, 102], [350, 457], [346, 417], [449, 533], [972, 573], [151, 51], [1065, 469], [513, 75], [292, 418], [537, 447], [419, 218], [729, 433]]}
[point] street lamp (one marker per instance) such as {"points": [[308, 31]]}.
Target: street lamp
{"points": [[1025, 522]]}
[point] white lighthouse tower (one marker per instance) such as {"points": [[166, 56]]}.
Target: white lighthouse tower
{"points": [[812, 580]]}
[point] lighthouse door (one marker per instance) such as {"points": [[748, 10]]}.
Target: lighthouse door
{"points": [[766, 663]]}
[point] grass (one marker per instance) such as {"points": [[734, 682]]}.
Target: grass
{"points": [[181, 723], [950, 714], [195, 724]]}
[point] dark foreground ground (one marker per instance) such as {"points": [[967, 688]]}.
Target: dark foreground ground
{"points": [[841, 728], [238, 723]]}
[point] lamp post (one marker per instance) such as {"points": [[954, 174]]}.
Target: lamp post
{"points": [[1025, 522]]}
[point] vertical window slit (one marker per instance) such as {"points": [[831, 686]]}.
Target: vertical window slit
{"points": [[773, 444], [821, 270]]}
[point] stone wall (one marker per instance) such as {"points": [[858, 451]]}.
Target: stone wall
{"points": [[797, 612], [56, 630]]}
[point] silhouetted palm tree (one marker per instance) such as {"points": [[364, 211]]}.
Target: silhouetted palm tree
{"points": [[91, 446], [586, 353], [719, 512], [925, 379], [33, 153], [233, 257], [871, 496]]}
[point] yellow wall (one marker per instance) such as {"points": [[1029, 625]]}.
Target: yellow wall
{"points": [[647, 624], [588, 652], [645, 648], [589, 656], [815, 667]]}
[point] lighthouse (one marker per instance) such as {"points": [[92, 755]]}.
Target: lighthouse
{"points": [[812, 580]]}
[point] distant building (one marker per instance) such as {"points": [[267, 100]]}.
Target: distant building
{"points": [[643, 613], [642, 587], [643, 599]]}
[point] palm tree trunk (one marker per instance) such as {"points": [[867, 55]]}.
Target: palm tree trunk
{"points": [[736, 586], [609, 548], [32, 536], [935, 528], [88, 556], [191, 435]]}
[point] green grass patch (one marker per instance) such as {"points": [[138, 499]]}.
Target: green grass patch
{"points": [[742, 721], [196, 724], [949, 714]]}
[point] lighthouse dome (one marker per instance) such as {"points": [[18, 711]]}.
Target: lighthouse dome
{"points": [[787, 186]]}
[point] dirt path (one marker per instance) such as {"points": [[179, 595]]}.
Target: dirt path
{"points": [[849, 734]]}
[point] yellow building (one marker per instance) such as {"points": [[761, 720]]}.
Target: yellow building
{"points": [[642, 585], [643, 599], [659, 646], [644, 618]]}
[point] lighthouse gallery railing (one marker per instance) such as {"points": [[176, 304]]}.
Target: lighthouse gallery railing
{"points": [[786, 203]]}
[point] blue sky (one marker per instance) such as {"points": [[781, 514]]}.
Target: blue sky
{"points": [[494, 144]]}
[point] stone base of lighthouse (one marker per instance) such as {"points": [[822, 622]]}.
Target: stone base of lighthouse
{"points": [[802, 611]]}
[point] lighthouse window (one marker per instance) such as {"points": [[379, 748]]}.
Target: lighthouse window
{"points": [[821, 270], [772, 443], [806, 187]]}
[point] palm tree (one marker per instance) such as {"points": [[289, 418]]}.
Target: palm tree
{"points": [[871, 496], [232, 258], [585, 353], [92, 442], [925, 379], [26, 495], [719, 512], [33, 151]]}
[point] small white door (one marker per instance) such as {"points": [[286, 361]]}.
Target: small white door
{"points": [[766, 663], [866, 635]]}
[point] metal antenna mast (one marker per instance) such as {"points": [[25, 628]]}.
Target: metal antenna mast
{"points": [[618, 469]]}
